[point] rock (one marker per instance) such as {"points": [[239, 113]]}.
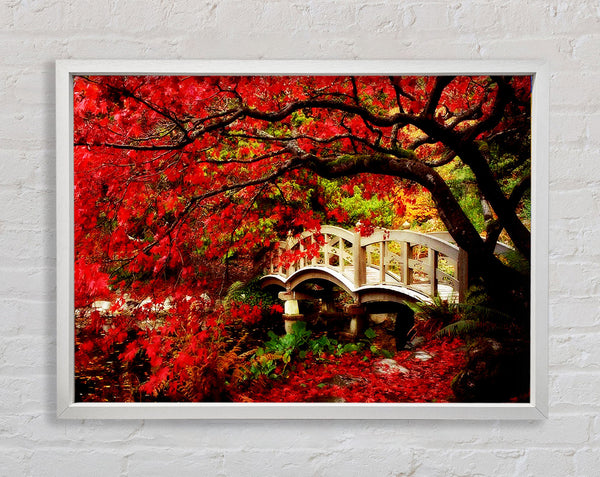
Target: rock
{"points": [[342, 380], [417, 341], [379, 318], [101, 306], [388, 366], [495, 372], [422, 355]]}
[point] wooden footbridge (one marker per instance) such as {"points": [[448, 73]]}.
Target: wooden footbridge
{"points": [[388, 265]]}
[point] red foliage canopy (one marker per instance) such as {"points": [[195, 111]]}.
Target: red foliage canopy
{"points": [[174, 174]]}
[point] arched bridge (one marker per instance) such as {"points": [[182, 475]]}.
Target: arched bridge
{"points": [[388, 265]]}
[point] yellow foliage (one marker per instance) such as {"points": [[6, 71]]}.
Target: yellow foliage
{"points": [[414, 205]]}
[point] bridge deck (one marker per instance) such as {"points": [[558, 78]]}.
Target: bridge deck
{"points": [[420, 291], [444, 291]]}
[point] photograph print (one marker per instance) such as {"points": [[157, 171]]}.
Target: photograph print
{"points": [[302, 238]]}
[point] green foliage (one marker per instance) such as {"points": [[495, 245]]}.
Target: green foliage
{"points": [[510, 163], [432, 317], [509, 166], [525, 209], [322, 344], [471, 204], [359, 208], [370, 335], [298, 118], [473, 318], [278, 349], [250, 294], [464, 328], [517, 261], [446, 266], [263, 366], [283, 349], [290, 342], [463, 185]]}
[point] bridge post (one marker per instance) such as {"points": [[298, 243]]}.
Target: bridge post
{"points": [[288, 245], [291, 311], [406, 271], [279, 264], [302, 262], [313, 260], [432, 265], [462, 274], [326, 255], [382, 260], [359, 258], [358, 317]]}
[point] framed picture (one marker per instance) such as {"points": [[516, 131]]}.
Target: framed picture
{"points": [[302, 239]]}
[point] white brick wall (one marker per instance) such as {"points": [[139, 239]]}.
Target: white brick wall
{"points": [[34, 33]]}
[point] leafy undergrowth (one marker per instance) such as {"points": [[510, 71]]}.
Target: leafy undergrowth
{"points": [[352, 377], [197, 353]]}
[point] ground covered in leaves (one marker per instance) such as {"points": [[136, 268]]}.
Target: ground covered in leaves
{"points": [[423, 375], [306, 366]]}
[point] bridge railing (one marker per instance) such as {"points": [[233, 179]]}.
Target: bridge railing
{"points": [[331, 248], [415, 260], [386, 257]]}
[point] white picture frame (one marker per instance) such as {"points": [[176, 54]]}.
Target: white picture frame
{"points": [[537, 408]]}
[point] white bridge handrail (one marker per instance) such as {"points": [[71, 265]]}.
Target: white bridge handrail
{"points": [[400, 258]]}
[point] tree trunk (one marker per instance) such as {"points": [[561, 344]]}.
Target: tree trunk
{"points": [[498, 278]]}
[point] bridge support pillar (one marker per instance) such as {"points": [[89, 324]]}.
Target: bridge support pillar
{"points": [[358, 318], [289, 320], [291, 314]]}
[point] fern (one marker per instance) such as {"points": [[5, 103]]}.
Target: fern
{"points": [[463, 328], [485, 313], [232, 293], [431, 317], [249, 293], [460, 319]]}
